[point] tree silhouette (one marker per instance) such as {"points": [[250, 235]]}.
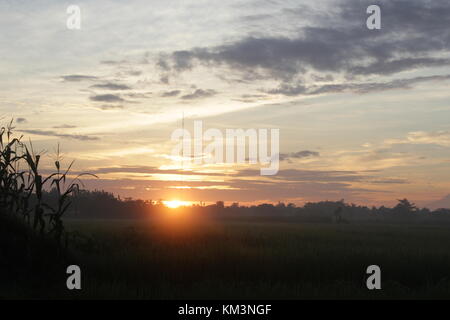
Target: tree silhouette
{"points": [[404, 206]]}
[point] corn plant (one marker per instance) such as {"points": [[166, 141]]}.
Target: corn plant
{"points": [[63, 194], [32, 160], [8, 174], [18, 186]]}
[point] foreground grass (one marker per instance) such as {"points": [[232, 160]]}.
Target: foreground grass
{"points": [[238, 260]]}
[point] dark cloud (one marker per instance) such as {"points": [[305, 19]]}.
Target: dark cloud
{"points": [[78, 77], [252, 96], [378, 86], [21, 120], [398, 65], [389, 181], [295, 90], [325, 78], [199, 93], [138, 95], [164, 79], [172, 93], [107, 98], [113, 62], [162, 63], [111, 86], [299, 155], [414, 34], [289, 89], [51, 133], [182, 60]]}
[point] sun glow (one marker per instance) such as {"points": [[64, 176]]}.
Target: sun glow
{"points": [[173, 204]]}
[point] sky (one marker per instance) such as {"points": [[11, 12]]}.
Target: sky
{"points": [[363, 114]]}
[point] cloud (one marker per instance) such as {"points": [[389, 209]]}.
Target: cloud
{"points": [[199, 93], [389, 181], [134, 73], [147, 170], [289, 90], [111, 86], [111, 107], [299, 155], [293, 175], [21, 120], [138, 95], [107, 98], [250, 98], [441, 138], [414, 34], [172, 93], [51, 133], [364, 87], [113, 62], [398, 65], [241, 185], [310, 175], [164, 79], [64, 126], [182, 60], [78, 78], [234, 190]]}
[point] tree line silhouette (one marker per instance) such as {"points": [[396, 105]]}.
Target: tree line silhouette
{"points": [[104, 205]]}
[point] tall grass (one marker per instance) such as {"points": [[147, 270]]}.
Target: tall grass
{"points": [[20, 178]]}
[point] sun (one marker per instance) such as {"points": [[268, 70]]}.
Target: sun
{"points": [[173, 204]]}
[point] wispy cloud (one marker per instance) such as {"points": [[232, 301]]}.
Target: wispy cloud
{"points": [[111, 86], [111, 107], [106, 98], [78, 78], [64, 126], [441, 138], [199, 93], [172, 93], [299, 155], [360, 88], [51, 133]]}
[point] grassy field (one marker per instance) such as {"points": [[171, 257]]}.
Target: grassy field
{"points": [[237, 260]]}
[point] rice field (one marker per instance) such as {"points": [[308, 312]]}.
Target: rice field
{"points": [[252, 260]]}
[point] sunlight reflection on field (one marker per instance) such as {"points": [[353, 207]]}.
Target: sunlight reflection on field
{"points": [[179, 221]]}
